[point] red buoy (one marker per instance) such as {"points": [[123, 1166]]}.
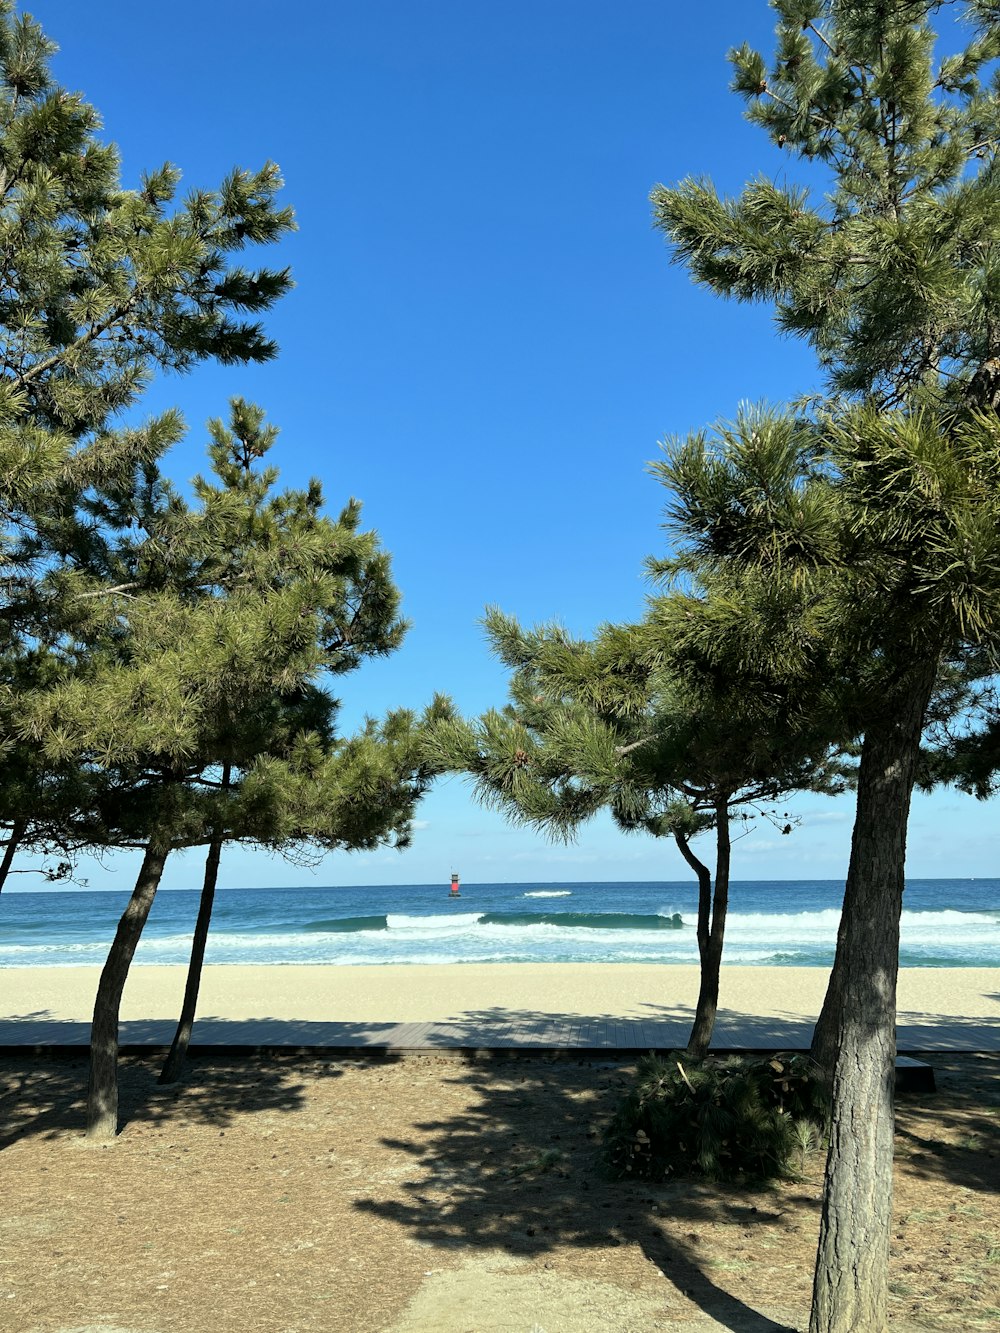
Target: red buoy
{"points": [[454, 886]]}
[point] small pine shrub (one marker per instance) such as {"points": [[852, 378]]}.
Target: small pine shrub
{"points": [[724, 1118]]}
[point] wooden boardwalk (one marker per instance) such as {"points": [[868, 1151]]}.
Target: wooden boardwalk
{"points": [[514, 1033]]}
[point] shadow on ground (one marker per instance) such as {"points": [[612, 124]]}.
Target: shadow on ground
{"points": [[47, 1097], [659, 1026], [952, 1135], [519, 1168], [522, 1172]]}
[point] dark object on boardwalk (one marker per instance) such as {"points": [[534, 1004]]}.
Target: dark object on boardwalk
{"points": [[914, 1075]]}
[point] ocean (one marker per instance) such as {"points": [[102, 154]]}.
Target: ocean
{"points": [[946, 923]]}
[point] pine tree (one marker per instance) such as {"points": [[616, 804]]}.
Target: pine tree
{"points": [[104, 285], [162, 659], [362, 797], [101, 287], [605, 724], [362, 790], [893, 279], [37, 802], [863, 579], [204, 701]]}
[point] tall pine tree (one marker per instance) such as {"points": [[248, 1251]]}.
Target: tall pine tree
{"points": [[606, 723], [871, 555], [102, 286], [362, 790], [204, 700]]}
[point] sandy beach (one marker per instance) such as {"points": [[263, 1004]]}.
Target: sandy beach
{"points": [[431, 1195], [440, 993], [437, 1195]]}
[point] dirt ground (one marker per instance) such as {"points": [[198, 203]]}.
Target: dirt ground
{"points": [[433, 1193]]}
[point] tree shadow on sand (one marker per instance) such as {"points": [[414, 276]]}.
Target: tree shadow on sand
{"points": [[951, 1135], [519, 1169], [521, 1172], [46, 1098]]}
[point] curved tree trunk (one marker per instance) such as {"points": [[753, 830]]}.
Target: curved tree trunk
{"points": [[850, 1292], [826, 1032], [102, 1094], [704, 1013], [174, 1063], [17, 829], [712, 908]]}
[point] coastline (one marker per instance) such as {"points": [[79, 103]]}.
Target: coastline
{"points": [[408, 993]]}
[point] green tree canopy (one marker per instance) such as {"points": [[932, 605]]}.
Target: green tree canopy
{"points": [[101, 287], [857, 546], [165, 663], [887, 261], [202, 696], [607, 723]]}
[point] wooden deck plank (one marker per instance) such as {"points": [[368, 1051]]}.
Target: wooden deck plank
{"points": [[494, 1038], [648, 1035], [642, 1034], [580, 1030], [544, 1032], [407, 1036], [528, 1033], [551, 1034]]}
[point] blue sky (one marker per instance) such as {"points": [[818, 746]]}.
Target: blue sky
{"points": [[486, 341]]}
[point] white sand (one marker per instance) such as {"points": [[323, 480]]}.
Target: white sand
{"points": [[399, 994]]}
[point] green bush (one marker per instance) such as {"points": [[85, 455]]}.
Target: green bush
{"points": [[725, 1118]]}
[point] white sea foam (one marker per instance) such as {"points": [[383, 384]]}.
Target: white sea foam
{"points": [[468, 942], [942, 938], [454, 921], [549, 893]]}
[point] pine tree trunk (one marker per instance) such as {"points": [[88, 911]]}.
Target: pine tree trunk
{"points": [[102, 1094], [850, 1292], [174, 1063], [704, 919], [712, 908], [17, 830], [825, 1034]]}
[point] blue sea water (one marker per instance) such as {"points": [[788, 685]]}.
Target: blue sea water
{"points": [[946, 923]]}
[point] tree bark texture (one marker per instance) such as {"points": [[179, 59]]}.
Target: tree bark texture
{"points": [[102, 1094], [713, 904], [826, 1032], [174, 1063], [850, 1292], [13, 842]]}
